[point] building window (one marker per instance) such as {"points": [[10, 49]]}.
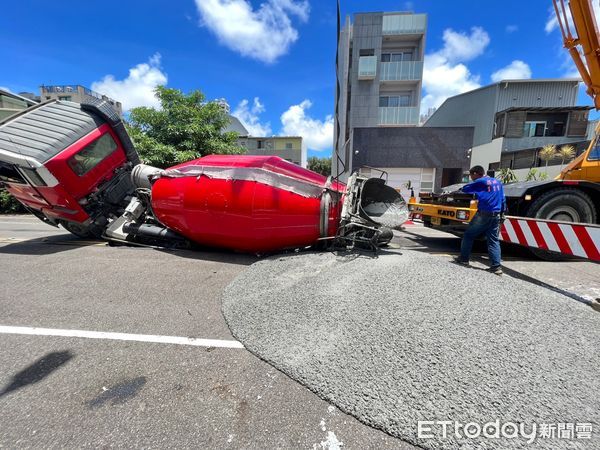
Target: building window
{"points": [[260, 144], [536, 129], [288, 146], [66, 98], [395, 100], [397, 56]]}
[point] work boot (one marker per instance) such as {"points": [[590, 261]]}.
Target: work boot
{"points": [[462, 262], [496, 270]]}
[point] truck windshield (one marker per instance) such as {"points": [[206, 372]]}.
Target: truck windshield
{"points": [[595, 152], [92, 154]]}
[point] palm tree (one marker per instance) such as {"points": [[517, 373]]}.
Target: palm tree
{"points": [[547, 153], [566, 153]]}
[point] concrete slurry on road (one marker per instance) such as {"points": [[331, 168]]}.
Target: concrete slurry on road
{"points": [[408, 337]]}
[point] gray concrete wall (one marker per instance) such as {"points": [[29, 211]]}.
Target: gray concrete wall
{"points": [[445, 147], [473, 109]]}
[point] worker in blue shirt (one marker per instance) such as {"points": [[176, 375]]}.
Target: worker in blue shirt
{"points": [[490, 213]]}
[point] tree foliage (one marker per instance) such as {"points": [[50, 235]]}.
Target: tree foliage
{"points": [[506, 175], [566, 153], [548, 153], [8, 204], [184, 128], [320, 165], [536, 175]]}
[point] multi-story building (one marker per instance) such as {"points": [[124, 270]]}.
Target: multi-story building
{"points": [[12, 103], [75, 93], [286, 147], [514, 119], [379, 75]]}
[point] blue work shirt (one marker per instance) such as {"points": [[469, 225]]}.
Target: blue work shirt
{"points": [[489, 193]]}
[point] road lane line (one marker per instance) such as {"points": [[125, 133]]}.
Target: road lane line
{"points": [[18, 223], [178, 340]]}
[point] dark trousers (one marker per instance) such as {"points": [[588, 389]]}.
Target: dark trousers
{"points": [[483, 224]]}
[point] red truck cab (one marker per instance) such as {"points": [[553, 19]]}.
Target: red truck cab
{"points": [[68, 163]]}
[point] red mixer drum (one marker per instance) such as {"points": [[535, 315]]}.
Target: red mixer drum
{"points": [[247, 203]]}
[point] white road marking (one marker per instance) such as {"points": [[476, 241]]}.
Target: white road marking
{"points": [[19, 223], [178, 340]]}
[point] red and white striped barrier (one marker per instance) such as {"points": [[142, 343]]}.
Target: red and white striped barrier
{"points": [[562, 237]]}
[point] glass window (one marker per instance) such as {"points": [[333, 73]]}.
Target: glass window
{"points": [[404, 100], [407, 56], [288, 146], [534, 129], [33, 176], [385, 57], [393, 101], [595, 152], [383, 101], [88, 158], [65, 97], [396, 57]]}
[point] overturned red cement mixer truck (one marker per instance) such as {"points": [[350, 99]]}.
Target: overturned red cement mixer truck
{"points": [[74, 165]]}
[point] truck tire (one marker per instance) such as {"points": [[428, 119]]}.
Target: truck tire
{"points": [[77, 229], [564, 204]]}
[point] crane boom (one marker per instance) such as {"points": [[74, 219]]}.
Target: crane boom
{"points": [[585, 38]]}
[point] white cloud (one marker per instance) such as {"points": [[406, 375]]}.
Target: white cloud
{"points": [[552, 21], [138, 88], [264, 34], [444, 71], [516, 70], [511, 28], [316, 134], [249, 116], [5, 89]]}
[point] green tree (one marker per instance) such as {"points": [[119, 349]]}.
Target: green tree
{"points": [[8, 204], [536, 175], [506, 175], [548, 153], [320, 165], [185, 127], [566, 153]]}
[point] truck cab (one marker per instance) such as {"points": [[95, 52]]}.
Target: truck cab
{"points": [[68, 163]]}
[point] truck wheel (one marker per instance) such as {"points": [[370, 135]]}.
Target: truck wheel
{"points": [[77, 229], [564, 204]]}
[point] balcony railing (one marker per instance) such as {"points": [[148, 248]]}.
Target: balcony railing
{"points": [[401, 71], [74, 89], [394, 24], [398, 115], [367, 67], [61, 89]]}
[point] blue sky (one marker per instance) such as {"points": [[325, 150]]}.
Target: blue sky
{"points": [[273, 61]]}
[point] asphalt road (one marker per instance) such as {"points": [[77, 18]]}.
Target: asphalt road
{"points": [[77, 392], [74, 392]]}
